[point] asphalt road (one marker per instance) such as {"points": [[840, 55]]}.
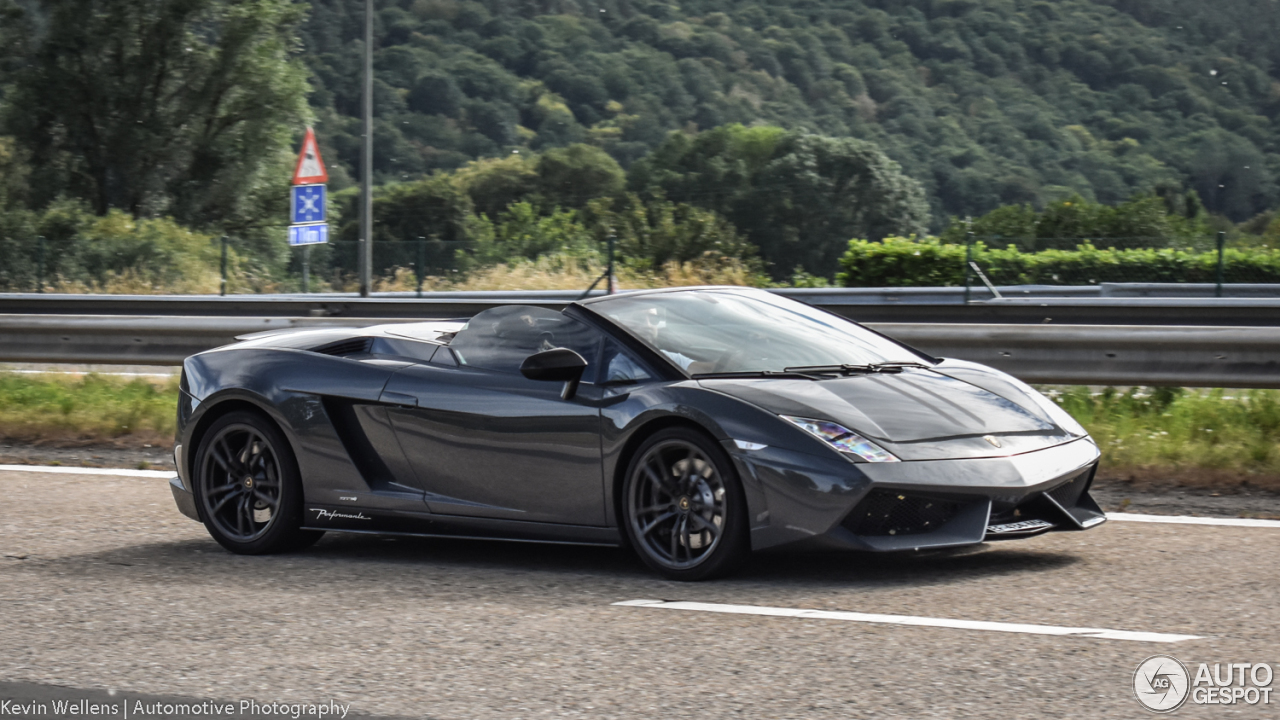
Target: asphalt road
{"points": [[103, 585]]}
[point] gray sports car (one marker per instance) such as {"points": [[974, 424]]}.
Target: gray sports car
{"points": [[694, 425]]}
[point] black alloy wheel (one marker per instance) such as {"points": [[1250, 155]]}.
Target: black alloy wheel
{"points": [[685, 511], [247, 484]]}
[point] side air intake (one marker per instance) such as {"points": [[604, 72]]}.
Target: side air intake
{"points": [[345, 348]]}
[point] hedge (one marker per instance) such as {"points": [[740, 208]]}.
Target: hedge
{"points": [[910, 262]]}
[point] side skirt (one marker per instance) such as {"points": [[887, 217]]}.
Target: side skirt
{"points": [[331, 518], [465, 537]]}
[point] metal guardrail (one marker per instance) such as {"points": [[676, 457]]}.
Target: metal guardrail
{"points": [[1189, 356], [1108, 304], [1055, 354]]}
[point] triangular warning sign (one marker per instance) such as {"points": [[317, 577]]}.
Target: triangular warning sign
{"points": [[310, 170]]}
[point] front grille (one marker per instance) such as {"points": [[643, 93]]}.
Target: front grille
{"points": [[889, 512], [343, 348]]}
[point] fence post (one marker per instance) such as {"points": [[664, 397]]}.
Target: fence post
{"points": [[968, 258], [422, 262], [306, 269], [223, 290], [40, 264], [1222, 244], [611, 287]]}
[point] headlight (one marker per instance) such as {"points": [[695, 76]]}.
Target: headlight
{"points": [[843, 439]]}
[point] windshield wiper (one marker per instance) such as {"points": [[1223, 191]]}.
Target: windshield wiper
{"points": [[847, 369], [815, 372], [788, 373]]}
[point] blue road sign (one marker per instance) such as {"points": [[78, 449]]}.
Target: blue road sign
{"points": [[308, 234], [307, 204]]}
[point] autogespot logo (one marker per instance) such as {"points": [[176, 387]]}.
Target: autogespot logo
{"points": [[1161, 683]]}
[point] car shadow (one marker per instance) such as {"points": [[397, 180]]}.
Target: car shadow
{"points": [[410, 561], [902, 568]]}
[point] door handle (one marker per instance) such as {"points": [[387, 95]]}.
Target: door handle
{"points": [[395, 398]]}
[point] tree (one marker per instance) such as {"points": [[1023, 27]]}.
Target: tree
{"points": [[571, 176], [497, 183], [798, 197], [819, 192], [182, 107]]}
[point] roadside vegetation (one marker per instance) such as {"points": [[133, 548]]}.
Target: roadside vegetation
{"points": [[1221, 439], [90, 409], [1194, 437]]}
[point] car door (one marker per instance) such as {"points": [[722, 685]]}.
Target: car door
{"points": [[487, 442]]}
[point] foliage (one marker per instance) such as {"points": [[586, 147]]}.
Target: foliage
{"points": [[985, 102], [651, 235], [1143, 220], [911, 262], [521, 233], [178, 107], [112, 253], [566, 177], [797, 196], [494, 184], [1172, 432], [572, 176], [97, 408]]}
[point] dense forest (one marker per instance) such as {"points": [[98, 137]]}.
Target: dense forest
{"points": [[759, 137], [985, 102]]}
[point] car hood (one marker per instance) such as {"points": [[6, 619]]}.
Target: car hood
{"points": [[917, 414]]}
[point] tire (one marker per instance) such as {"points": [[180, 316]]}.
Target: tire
{"points": [[248, 488], [684, 511]]}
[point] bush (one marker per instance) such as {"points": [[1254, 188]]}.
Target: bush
{"points": [[908, 262], [113, 253]]}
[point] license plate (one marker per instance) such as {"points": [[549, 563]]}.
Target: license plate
{"points": [[1023, 526]]}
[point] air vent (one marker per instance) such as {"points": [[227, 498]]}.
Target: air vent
{"points": [[1068, 494], [888, 512], [345, 348]]}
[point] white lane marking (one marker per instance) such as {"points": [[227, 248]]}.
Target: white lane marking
{"points": [[64, 470], [1100, 633], [1193, 520]]}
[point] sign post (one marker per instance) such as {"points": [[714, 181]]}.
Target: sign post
{"points": [[307, 220]]}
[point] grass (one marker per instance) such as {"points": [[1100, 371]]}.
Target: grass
{"points": [[1206, 438], [61, 409], [560, 273]]}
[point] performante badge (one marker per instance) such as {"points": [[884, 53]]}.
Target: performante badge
{"points": [[995, 441], [1161, 683]]}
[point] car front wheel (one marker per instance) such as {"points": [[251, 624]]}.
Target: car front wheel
{"points": [[685, 512]]}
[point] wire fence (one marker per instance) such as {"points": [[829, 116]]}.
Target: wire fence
{"points": [[1203, 265], [337, 263], [1201, 260]]}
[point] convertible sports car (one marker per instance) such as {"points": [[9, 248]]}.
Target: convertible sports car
{"points": [[693, 425]]}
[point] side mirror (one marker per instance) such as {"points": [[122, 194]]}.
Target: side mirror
{"points": [[556, 365]]}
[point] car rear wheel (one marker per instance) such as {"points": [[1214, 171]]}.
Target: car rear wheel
{"points": [[248, 488], [685, 512]]}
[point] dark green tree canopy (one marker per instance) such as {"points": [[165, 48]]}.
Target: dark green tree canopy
{"points": [[984, 102], [184, 107], [798, 197]]}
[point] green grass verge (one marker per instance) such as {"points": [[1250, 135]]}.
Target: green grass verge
{"points": [[88, 408], [1206, 437]]}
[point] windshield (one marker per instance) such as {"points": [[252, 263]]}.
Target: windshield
{"points": [[742, 331]]}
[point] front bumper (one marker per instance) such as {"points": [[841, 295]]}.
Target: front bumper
{"points": [[183, 497], [922, 504]]}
